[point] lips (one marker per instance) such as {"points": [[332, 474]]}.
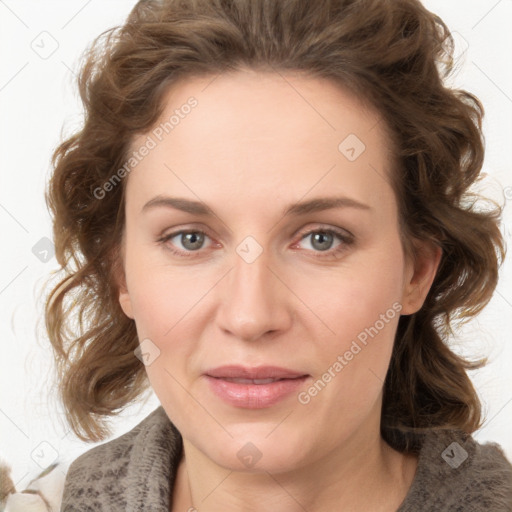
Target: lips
{"points": [[254, 388]]}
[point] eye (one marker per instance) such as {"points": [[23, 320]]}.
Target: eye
{"points": [[191, 241], [322, 240]]}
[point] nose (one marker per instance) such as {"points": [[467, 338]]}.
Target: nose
{"points": [[255, 302]]}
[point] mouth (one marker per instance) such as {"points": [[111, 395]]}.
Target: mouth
{"points": [[253, 373], [254, 388], [251, 381]]}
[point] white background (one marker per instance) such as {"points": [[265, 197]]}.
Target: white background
{"points": [[38, 97]]}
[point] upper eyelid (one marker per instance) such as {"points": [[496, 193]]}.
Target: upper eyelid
{"points": [[199, 229]]}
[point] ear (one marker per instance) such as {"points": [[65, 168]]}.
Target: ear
{"points": [[420, 271], [125, 302], [119, 277]]}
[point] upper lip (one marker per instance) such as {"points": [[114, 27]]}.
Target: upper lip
{"points": [[260, 372]]}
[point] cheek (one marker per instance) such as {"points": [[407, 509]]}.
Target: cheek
{"points": [[355, 296], [162, 301], [164, 305], [361, 307], [160, 295]]}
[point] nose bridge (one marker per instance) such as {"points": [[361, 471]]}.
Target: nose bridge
{"points": [[252, 303]]}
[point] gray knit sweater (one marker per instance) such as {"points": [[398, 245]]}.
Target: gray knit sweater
{"points": [[136, 472]]}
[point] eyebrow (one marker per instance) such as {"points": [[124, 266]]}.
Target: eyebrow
{"points": [[296, 209]]}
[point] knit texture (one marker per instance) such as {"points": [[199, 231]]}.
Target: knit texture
{"points": [[132, 473], [136, 472]]}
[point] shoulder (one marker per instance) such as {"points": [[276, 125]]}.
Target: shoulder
{"points": [[121, 473], [457, 473]]}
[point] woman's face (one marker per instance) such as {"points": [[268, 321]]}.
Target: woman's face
{"points": [[262, 242]]}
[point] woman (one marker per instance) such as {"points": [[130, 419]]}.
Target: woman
{"points": [[266, 220]]}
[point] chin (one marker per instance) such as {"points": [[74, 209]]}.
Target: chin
{"points": [[255, 447]]}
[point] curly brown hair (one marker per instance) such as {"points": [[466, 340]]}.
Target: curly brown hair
{"points": [[394, 55]]}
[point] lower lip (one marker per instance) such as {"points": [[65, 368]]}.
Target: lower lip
{"points": [[254, 396]]}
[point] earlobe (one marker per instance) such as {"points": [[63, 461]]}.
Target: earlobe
{"points": [[119, 277], [420, 274], [124, 294], [126, 303]]}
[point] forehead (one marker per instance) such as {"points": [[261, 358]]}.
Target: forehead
{"points": [[258, 104], [248, 133]]}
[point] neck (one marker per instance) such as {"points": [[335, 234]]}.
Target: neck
{"points": [[364, 473]]}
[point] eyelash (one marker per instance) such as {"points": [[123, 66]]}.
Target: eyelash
{"points": [[345, 238]]}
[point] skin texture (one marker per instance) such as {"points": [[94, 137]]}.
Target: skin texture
{"points": [[255, 143]]}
